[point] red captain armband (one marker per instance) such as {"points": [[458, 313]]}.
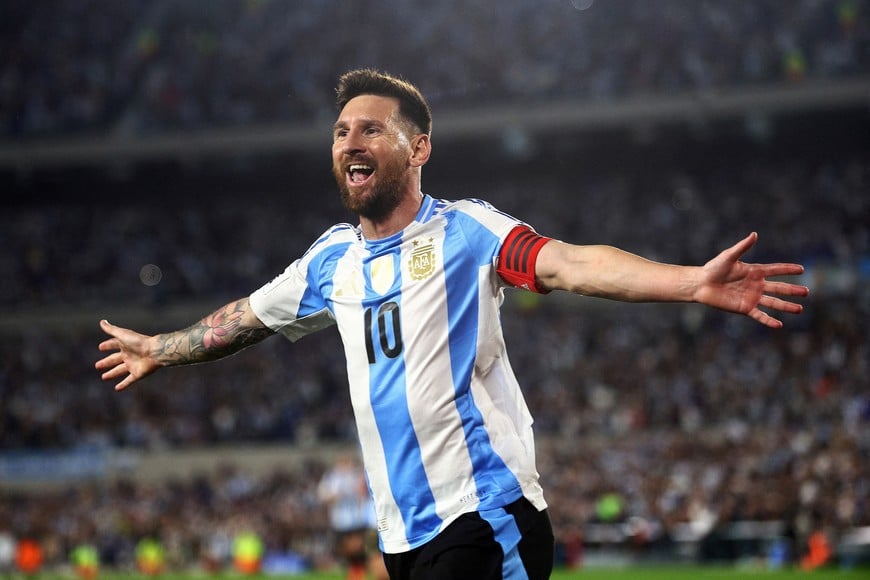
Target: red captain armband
{"points": [[517, 257]]}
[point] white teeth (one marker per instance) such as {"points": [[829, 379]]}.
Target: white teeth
{"points": [[359, 168]]}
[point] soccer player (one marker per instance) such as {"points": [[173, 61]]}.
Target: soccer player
{"points": [[344, 491], [414, 290]]}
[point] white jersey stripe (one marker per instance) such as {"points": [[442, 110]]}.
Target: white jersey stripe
{"points": [[426, 359], [391, 395], [466, 325]]}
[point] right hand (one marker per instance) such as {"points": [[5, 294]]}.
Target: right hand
{"points": [[132, 360]]}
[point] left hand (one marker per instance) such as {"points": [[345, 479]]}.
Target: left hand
{"points": [[734, 286]]}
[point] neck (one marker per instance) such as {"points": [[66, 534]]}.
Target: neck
{"points": [[395, 221]]}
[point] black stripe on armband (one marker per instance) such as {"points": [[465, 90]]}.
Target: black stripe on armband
{"points": [[527, 249], [518, 251]]}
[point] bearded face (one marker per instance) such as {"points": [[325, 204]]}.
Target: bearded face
{"points": [[371, 157], [371, 189]]}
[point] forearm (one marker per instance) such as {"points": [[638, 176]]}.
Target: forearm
{"points": [[608, 272], [225, 331]]}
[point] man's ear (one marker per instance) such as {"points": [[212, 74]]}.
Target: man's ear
{"points": [[421, 148]]}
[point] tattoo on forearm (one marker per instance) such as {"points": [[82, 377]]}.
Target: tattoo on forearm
{"points": [[217, 335]]}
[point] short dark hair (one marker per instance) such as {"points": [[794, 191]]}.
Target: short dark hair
{"points": [[412, 104]]}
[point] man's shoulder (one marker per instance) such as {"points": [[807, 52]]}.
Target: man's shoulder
{"points": [[464, 205], [342, 233], [476, 211]]}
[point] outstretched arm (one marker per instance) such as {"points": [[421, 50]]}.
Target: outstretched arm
{"points": [[724, 282], [223, 332]]}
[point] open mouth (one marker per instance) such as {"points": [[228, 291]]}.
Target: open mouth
{"points": [[359, 173]]}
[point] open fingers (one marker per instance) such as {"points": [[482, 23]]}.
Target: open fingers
{"points": [[125, 383], [780, 304], [115, 372], [114, 365], [774, 303], [109, 361], [781, 269], [785, 289], [764, 318], [110, 344], [734, 252]]}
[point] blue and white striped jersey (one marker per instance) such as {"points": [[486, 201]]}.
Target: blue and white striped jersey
{"points": [[443, 425]]}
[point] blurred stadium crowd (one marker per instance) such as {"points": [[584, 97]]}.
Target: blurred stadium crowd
{"points": [[692, 417], [693, 420], [141, 65]]}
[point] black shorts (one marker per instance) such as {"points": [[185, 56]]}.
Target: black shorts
{"points": [[511, 543]]}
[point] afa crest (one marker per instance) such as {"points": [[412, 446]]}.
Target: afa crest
{"points": [[422, 261]]}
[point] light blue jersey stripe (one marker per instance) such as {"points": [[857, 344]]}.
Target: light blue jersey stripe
{"points": [[462, 297], [321, 280], [507, 534], [389, 398]]}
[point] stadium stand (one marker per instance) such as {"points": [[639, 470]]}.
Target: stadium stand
{"points": [[665, 431]]}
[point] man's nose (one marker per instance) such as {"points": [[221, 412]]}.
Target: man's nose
{"points": [[352, 142]]}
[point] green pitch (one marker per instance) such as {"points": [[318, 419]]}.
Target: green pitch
{"points": [[639, 573]]}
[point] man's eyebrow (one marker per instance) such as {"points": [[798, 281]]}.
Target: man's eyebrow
{"points": [[366, 121]]}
